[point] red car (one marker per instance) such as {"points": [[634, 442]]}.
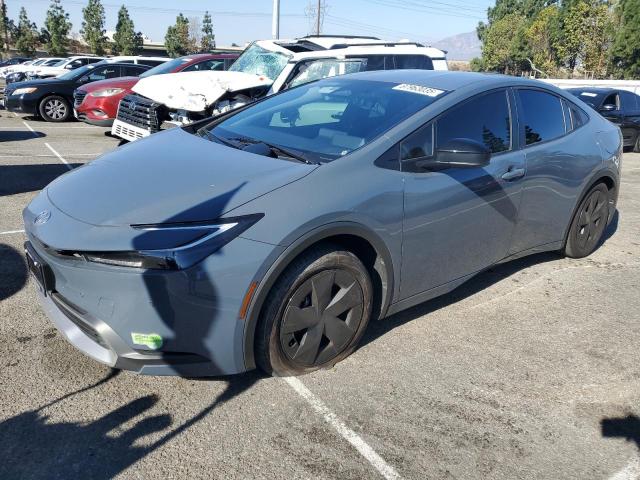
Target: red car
{"points": [[97, 102]]}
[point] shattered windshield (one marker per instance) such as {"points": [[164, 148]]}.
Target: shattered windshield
{"points": [[260, 61]]}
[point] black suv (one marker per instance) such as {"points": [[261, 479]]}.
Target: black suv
{"points": [[618, 106]]}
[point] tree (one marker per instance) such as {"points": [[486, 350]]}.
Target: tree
{"points": [[176, 41], [504, 47], [93, 30], [58, 27], [542, 37], [126, 41], [27, 39], [4, 28], [208, 38], [195, 35], [626, 45]]}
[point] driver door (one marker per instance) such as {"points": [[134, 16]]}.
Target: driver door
{"points": [[459, 220]]}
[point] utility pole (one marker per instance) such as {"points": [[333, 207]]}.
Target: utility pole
{"points": [[318, 19], [275, 23]]}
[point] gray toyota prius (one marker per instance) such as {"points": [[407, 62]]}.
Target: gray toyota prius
{"points": [[272, 235]]}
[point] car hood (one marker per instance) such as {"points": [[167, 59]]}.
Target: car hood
{"points": [[195, 91], [39, 83], [120, 82], [172, 176]]}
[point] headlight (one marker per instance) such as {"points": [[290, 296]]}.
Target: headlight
{"points": [[106, 92], [194, 242], [22, 91]]}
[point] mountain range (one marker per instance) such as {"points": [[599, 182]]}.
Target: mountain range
{"points": [[463, 46]]}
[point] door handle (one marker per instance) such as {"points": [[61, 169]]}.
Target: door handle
{"points": [[513, 173]]}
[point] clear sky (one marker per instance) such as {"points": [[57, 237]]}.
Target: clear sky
{"points": [[241, 21]]}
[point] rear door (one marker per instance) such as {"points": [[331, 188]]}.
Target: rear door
{"points": [[561, 155], [458, 221]]}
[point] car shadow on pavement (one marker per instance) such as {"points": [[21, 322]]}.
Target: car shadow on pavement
{"points": [[30, 178], [13, 271], [35, 447], [19, 135], [622, 427]]}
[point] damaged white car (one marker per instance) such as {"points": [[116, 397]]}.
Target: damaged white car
{"points": [[264, 68]]}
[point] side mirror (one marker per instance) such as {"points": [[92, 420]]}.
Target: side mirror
{"points": [[608, 107], [463, 152], [68, 67]]}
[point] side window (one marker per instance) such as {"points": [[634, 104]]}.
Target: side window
{"points": [[613, 100], [375, 62], [628, 101], [103, 73], [133, 70], [93, 60], [206, 65], [420, 62], [418, 144], [328, 67], [485, 119], [541, 116]]}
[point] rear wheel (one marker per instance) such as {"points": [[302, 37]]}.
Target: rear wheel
{"points": [[316, 313], [54, 109], [589, 223]]}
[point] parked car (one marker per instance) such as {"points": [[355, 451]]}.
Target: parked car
{"points": [[18, 73], [619, 107], [52, 98], [13, 61], [272, 234], [97, 103], [264, 68], [137, 59], [63, 67]]}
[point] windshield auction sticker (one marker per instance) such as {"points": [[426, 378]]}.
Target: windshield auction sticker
{"points": [[419, 89]]}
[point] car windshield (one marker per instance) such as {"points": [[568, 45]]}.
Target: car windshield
{"points": [[325, 120], [56, 64], [260, 61], [166, 67], [73, 74]]}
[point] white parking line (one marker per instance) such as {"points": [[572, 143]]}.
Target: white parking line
{"points": [[30, 129], [46, 155], [8, 232], [58, 155], [630, 472], [349, 435]]}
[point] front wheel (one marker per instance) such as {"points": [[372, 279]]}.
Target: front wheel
{"points": [[316, 313], [54, 109], [589, 223]]}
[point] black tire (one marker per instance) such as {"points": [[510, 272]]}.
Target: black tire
{"points": [[589, 223], [292, 337], [54, 109]]}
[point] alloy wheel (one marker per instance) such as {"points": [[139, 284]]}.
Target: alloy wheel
{"points": [[55, 109], [321, 318]]}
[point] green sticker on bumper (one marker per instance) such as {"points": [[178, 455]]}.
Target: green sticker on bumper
{"points": [[151, 340]]}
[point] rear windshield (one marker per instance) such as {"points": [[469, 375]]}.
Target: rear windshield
{"points": [[587, 96], [328, 119], [166, 67]]}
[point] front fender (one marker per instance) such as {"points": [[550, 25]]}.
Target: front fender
{"points": [[278, 262]]}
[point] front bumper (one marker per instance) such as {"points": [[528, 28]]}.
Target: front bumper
{"points": [[100, 308], [21, 104]]}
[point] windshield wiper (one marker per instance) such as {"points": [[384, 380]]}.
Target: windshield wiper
{"points": [[276, 149]]}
